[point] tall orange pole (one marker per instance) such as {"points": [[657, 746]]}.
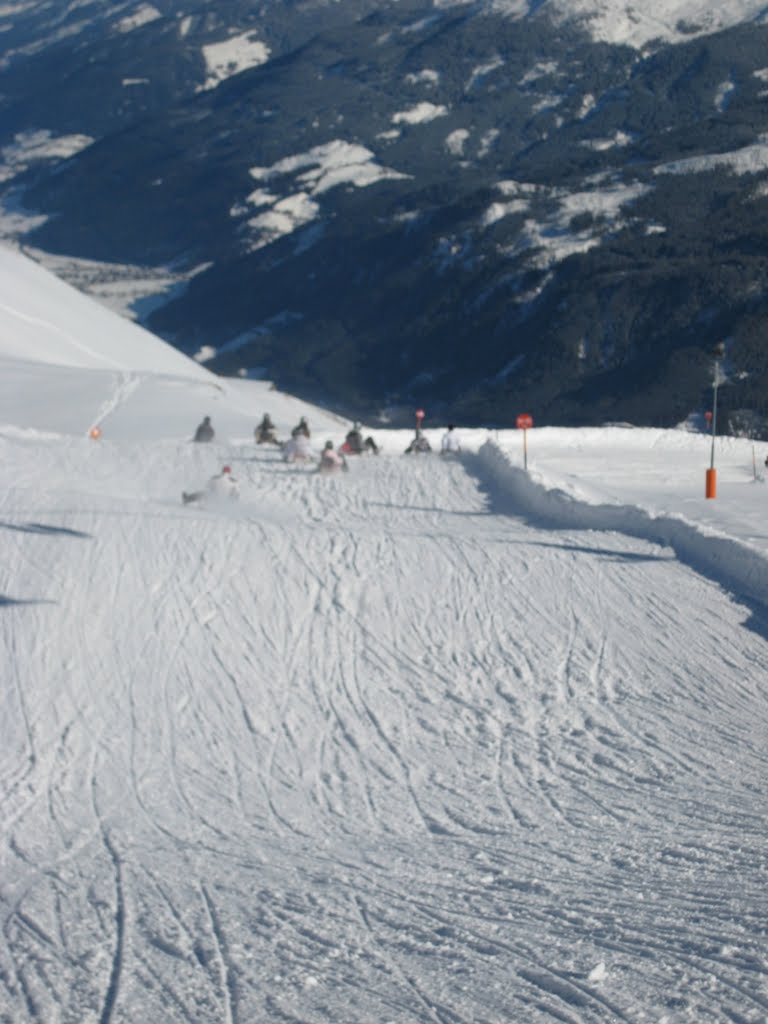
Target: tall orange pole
{"points": [[710, 488]]}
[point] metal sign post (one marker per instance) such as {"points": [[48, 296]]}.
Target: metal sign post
{"points": [[524, 422]]}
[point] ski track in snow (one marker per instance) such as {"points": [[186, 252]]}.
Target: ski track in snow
{"points": [[359, 749]]}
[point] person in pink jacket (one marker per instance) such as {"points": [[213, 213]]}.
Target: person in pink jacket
{"points": [[331, 460]]}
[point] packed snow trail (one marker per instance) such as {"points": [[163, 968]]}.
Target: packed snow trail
{"points": [[358, 749]]}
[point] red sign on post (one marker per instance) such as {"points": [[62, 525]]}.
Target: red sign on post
{"points": [[420, 414], [524, 422]]}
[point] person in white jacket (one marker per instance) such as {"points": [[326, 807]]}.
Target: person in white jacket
{"points": [[297, 448], [221, 485], [450, 442]]}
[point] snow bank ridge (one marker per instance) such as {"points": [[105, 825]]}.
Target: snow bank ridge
{"points": [[729, 562]]}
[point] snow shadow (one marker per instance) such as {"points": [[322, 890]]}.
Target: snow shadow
{"points": [[610, 554], [46, 529], [724, 560], [430, 509], [10, 602]]}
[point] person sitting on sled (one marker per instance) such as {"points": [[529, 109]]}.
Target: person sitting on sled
{"points": [[302, 427], [331, 460], [297, 449], [205, 431], [221, 485], [265, 432], [418, 444], [355, 445], [450, 442]]}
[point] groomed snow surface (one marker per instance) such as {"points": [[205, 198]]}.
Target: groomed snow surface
{"points": [[435, 740]]}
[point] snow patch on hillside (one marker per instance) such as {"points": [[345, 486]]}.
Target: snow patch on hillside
{"points": [[331, 164], [143, 16], [317, 171], [285, 216], [481, 73], [487, 142], [624, 22], [619, 138], [748, 160], [456, 141], [427, 76], [421, 113], [36, 146], [556, 236], [233, 55], [724, 95]]}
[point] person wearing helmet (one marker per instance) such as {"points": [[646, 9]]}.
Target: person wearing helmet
{"points": [[297, 448], [265, 433], [204, 431], [331, 460], [221, 485], [302, 427], [419, 443], [449, 444], [355, 445]]}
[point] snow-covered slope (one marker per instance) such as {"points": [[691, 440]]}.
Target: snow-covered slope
{"points": [[70, 364], [388, 746], [45, 320], [623, 21]]}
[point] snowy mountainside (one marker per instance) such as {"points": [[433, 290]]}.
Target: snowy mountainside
{"points": [[560, 205], [623, 22], [380, 746]]}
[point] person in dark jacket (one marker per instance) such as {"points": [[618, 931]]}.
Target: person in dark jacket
{"points": [[418, 444], [205, 431], [265, 432], [355, 445], [353, 442]]}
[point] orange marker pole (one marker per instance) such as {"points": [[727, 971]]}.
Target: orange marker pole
{"points": [[710, 489]]}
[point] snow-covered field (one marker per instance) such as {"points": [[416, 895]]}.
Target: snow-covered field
{"points": [[435, 740]]}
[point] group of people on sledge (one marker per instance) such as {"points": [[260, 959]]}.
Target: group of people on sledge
{"points": [[297, 449], [449, 443]]}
